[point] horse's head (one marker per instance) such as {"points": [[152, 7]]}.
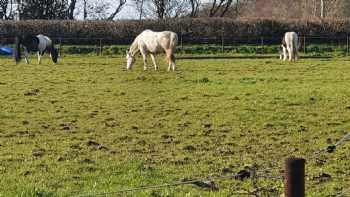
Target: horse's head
{"points": [[130, 59]]}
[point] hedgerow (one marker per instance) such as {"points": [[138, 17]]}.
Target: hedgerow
{"points": [[197, 30]]}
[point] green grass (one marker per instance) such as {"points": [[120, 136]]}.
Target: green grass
{"points": [[86, 125]]}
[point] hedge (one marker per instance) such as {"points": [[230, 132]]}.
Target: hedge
{"points": [[195, 30]]}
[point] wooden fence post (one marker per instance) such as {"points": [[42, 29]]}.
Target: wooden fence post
{"points": [[100, 46], [347, 45], [60, 47], [305, 44], [181, 41], [294, 179], [222, 39], [262, 45]]}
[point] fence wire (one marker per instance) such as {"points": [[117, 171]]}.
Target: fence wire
{"points": [[258, 46], [332, 148], [248, 172], [344, 193], [207, 183]]}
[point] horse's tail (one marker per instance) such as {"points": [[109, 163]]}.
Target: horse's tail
{"points": [[295, 47], [174, 40], [173, 43], [54, 53], [17, 51]]}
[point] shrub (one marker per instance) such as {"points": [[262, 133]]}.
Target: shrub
{"points": [[197, 30]]}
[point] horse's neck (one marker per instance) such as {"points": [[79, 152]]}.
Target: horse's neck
{"points": [[134, 48]]}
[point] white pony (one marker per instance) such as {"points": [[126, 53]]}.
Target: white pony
{"points": [[289, 46], [150, 42]]}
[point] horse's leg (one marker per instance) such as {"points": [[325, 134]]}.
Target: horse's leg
{"points": [[26, 55], [144, 56], [285, 55], [168, 58], [172, 59], [296, 55], [290, 53], [169, 62], [154, 61], [39, 57]]}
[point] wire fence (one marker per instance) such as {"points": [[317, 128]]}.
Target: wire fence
{"points": [[253, 172], [216, 46], [257, 46]]}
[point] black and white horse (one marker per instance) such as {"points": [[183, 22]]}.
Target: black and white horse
{"points": [[39, 44]]}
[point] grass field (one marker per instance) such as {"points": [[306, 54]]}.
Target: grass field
{"points": [[86, 125]]}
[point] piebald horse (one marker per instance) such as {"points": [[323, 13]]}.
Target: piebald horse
{"points": [[289, 46], [39, 44], [150, 42]]}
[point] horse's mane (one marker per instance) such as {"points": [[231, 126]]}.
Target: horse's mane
{"points": [[134, 47]]}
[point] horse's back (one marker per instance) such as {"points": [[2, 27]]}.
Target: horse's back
{"points": [[157, 41], [44, 39], [158, 35], [291, 38], [45, 43], [168, 39]]}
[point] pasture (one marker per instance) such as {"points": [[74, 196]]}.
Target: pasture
{"points": [[86, 125]]}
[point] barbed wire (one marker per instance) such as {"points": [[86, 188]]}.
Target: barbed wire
{"points": [[248, 172], [208, 183], [332, 148], [257, 40], [344, 193]]}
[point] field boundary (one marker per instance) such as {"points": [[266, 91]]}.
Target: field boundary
{"points": [[253, 173]]}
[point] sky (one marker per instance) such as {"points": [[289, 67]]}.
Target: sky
{"points": [[128, 12]]}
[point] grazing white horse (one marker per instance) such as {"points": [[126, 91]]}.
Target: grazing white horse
{"points": [[290, 46], [39, 43], [150, 42]]}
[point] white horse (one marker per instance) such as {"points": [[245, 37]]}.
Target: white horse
{"points": [[289, 46], [150, 42], [39, 43]]}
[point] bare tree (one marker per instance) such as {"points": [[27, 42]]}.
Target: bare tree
{"points": [[6, 9], [43, 9], [117, 10], [326, 8], [141, 8], [85, 9], [219, 7], [71, 9], [162, 9], [194, 7], [322, 8]]}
